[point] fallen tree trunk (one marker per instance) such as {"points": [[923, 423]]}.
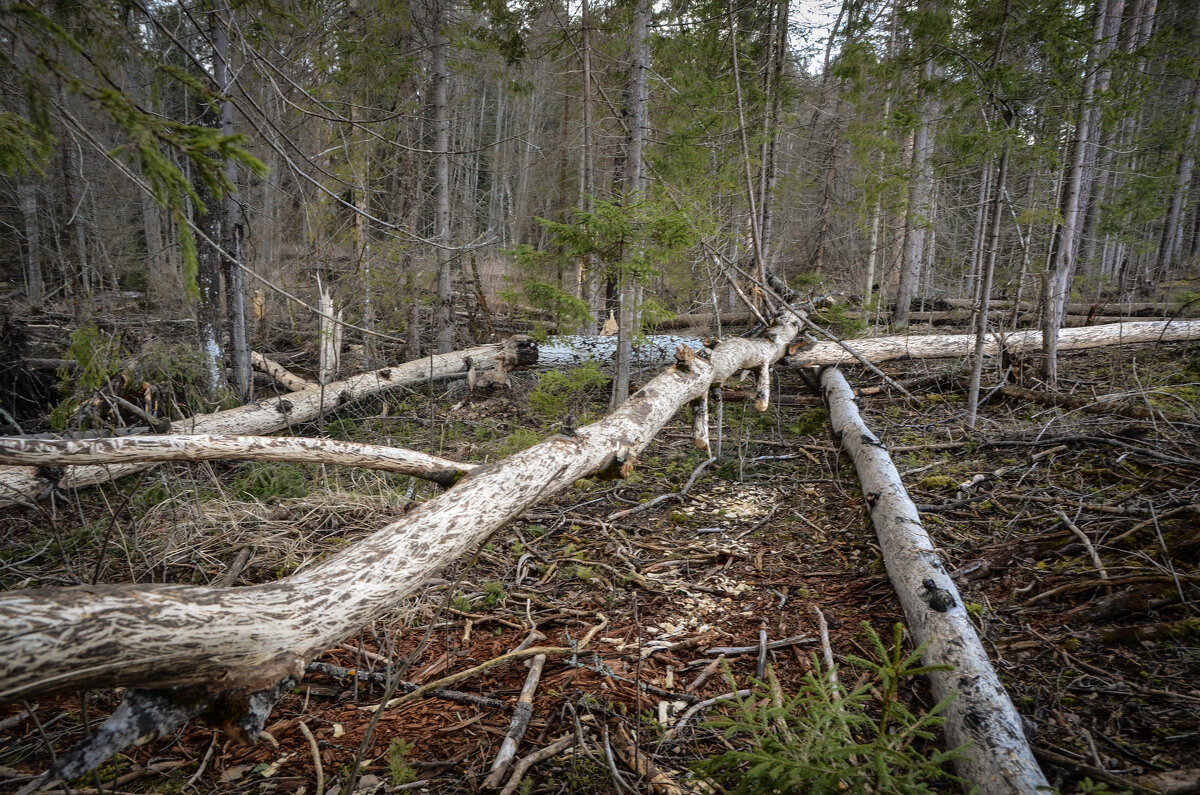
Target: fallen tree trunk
{"points": [[144, 449], [559, 352], [941, 346], [25, 484], [248, 638], [1122, 308], [282, 376], [998, 758]]}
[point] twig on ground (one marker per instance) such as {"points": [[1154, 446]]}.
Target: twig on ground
{"points": [[518, 725], [316, 755], [522, 766]]}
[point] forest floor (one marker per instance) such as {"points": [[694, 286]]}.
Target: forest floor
{"points": [[1104, 666]]}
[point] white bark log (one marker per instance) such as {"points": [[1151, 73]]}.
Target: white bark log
{"points": [[141, 449], [24, 484], [998, 759], [284, 377], [60, 639], [560, 352], [939, 346]]}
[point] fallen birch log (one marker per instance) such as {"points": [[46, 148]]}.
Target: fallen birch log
{"points": [[26, 484], [942, 346], [144, 449], [560, 352], [998, 758], [232, 650]]}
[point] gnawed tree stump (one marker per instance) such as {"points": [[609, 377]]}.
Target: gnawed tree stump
{"points": [[998, 759], [176, 639], [25, 484], [142, 449]]}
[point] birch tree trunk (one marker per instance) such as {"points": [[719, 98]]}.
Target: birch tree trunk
{"points": [[998, 759]]}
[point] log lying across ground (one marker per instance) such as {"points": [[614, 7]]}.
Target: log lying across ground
{"points": [[25, 484], [234, 648], [998, 759], [144, 449], [942, 346]]}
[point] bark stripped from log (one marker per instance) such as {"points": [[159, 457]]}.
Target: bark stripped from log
{"points": [[249, 639], [941, 346], [998, 759], [141, 449], [18, 484]]}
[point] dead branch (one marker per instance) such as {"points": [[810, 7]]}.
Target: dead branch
{"points": [[141, 449], [518, 725]]}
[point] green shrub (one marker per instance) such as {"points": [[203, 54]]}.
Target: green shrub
{"points": [[268, 482], [836, 741], [559, 392]]}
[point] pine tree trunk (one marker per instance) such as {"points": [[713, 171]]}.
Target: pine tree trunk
{"points": [[634, 185], [35, 286], [917, 220], [1066, 233], [231, 227]]}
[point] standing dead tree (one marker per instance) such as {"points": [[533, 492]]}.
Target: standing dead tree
{"points": [[998, 758], [189, 650]]}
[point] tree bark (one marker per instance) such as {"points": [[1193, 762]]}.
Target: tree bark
{"points": [[1065, 243], [64, 639], [920, 194], [231, 229], [441, 147], [139, 449], [634, 185], [997, 758], [22, 484], [34, 283], [938, 346], [988, 268]]}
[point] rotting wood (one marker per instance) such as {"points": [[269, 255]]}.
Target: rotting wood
{"points": [[998, 758], [141, 449], [26, 484], [281, 375], [181, 638]]}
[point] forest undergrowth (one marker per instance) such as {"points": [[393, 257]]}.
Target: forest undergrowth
{"points": [[1074, 538]]}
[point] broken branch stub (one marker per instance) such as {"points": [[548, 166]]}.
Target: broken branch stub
{"points": [[60, 639], [998, 758]]}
